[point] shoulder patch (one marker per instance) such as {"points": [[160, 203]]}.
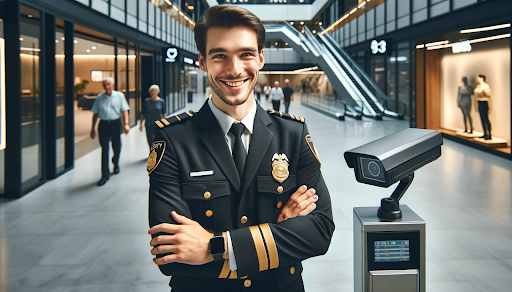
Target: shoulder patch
{"points": [[286, 116], [313, 148], [155, 155], [162, 123]]}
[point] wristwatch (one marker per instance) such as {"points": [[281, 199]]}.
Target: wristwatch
{"points": [[217, 247]]}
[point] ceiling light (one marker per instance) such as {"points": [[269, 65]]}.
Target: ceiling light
{"points": [[87, 50], [302, 23], [62, 38], [291, 22], [276, 43], [94, 48], [485, 28], [314, 31], [353, 10], [56, 41], [496, 37], [436, 43], [21, 39], [75, 41], [30, 15], [362, 4], [320, 23]]}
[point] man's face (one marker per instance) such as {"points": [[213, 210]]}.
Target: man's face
{"points": [[233, 62], [108, 87], [276, 84]]}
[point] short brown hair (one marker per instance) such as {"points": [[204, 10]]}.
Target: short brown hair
{"points": [[482, 76], [227, 16]]}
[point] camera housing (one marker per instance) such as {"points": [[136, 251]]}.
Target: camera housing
{"points": [[394, 158], [385, 161]]}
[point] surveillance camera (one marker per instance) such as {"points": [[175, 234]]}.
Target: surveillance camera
{"points": [[385, 161]]}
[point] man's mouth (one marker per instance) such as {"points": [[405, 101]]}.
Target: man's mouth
{"points": [[234, 83]]}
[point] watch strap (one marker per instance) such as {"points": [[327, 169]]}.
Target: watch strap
{"points": [[218, 256]]}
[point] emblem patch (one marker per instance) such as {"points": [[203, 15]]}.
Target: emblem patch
{"points": [[155, 155], [280, 167], [313, 148]]}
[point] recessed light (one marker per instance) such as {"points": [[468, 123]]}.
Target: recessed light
{"points": [[87, 50]]}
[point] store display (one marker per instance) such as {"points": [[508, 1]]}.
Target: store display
{"points": [[464, 102]]}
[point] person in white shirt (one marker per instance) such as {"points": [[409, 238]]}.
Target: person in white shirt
{"points": [[267, 90], [276, 95]]}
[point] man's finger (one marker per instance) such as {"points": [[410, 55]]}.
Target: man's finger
{"points": [[166, 248], [162, 239], [298, 193], [308, 210], [182, 219], [164, 227], [305, 203], [166, 259]]}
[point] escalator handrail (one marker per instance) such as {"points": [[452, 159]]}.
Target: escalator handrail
{"points": [[352, 63]]}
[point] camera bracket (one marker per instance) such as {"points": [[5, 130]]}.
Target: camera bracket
{"points": [[390, 207]]}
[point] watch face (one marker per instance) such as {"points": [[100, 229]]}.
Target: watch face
{"points": [[217, 245]]}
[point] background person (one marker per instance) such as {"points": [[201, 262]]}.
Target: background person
{"points": [[288, 95], [276, 95], [257, 90], [109, 106], [153, 109], [483, 98], [267, 90]]}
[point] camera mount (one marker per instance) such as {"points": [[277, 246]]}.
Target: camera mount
{"points": [[390, 207]]}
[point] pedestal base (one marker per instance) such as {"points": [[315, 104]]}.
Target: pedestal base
{"points": [[475, 134], [494, 142]]}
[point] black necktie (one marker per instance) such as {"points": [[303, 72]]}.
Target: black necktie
{"points": [[239, 153]]}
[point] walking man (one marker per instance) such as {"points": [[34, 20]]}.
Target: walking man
{"points": [[288, 94], [109, 106], [276, 95]]}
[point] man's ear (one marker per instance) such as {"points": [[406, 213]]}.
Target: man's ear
{"points": [[262, 59], [202, 63]]}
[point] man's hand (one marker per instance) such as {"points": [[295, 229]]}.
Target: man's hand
{"points": [[126, 128], [140, 127], [301, 203], [93, 134], [189, 242]]}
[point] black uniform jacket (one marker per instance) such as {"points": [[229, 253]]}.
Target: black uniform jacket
{"points": [[194, 142]]}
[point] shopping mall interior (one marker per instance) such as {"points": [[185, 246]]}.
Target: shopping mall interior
{"points": [[359, 70]]}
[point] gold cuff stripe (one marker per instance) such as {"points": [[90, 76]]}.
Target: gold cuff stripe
{"points": [[189, 114], [225, 270], [178, 118], [271, 245], [233, 275], [166, 122], [159, 124], [260, 247]]}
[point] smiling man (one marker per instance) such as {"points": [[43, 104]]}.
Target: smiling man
{"points": [[236, 198]]}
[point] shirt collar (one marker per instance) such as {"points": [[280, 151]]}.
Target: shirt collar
{"points": [[226, 121]]}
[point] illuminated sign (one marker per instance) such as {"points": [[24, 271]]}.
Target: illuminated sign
{"points": [[172, 53], [2, 94], [188, 61], [378, 46], [461, 47]]}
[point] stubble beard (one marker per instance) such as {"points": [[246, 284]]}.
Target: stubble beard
{"points": [[221, 95]]}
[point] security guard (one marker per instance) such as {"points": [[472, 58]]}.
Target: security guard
{"points": [[229, 204]]}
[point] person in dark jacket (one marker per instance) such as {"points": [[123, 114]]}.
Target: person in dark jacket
{"points": [[153, 109]]}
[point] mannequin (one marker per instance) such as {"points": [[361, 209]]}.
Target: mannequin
{"points": [[483, 98], [464, 103]]}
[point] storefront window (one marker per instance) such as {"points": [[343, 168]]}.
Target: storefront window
{"points": [[59, 79], [31, 126], [132, 83], [93, 60], [2, 78], [465, 86]]}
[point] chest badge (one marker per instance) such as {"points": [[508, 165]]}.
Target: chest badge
{"points": [[155, 155], [280, 167]]}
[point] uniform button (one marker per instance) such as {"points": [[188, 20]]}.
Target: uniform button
{"points": [[209, 213], [243, 219], [247, 283], [292, 270], [279, 204], [207, 195], [279, 189]]}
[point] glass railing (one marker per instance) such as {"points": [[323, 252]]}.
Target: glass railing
{"points": [[273, 2]]}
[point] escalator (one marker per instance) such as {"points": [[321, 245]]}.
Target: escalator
{"points": [[360, 95]]}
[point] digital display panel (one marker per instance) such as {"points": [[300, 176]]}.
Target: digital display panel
{"points": [[392, 251]]}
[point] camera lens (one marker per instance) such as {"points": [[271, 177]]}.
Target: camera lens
{"points": [[373, 168]]}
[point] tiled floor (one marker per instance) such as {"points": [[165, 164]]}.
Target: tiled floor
{"points": [[70, 235]]}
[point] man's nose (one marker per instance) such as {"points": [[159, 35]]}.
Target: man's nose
{"points": [[234, 67]]}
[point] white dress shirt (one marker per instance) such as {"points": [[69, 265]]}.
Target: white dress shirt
{"points": [[276, 93], [225, 123]]}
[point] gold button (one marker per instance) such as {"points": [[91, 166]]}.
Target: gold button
{"points": [[279, 189], [292, 270], [247, 283], [207, 195], [209, 213], [279, 204], [243, 219]]}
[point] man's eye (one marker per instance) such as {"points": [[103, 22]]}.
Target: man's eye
{"points": [[246, 55], [218, 56]]}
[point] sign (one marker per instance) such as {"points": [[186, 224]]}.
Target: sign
{"points": [[172, 53], [2, 94], [461, 47], [378, 47], [188, 61]]}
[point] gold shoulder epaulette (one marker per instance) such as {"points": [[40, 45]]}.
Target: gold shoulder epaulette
{"points": [[162, 123], [286, 116]]}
